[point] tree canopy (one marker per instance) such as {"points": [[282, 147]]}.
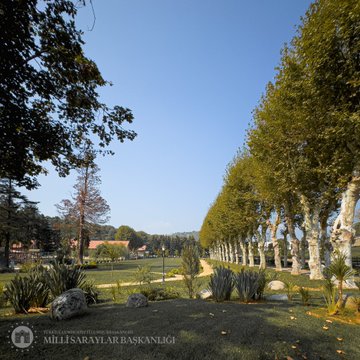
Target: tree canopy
{"points": [[49, 102]]}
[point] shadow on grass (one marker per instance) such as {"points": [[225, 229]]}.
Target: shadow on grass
{"points": [[202, 330]]}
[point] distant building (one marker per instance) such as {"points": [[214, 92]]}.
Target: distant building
{"points": [[141, 252]]}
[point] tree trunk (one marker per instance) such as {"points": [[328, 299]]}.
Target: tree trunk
{"points": [[312, 230], [275, 243], [232, 252], [261, 245], [325, 242], [236, 245], [285, 249], [342, 235], [243, 252], [251, 253], [295, 247], [303, 247]]}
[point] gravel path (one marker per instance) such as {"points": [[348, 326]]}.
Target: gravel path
{"points": [[207, 270]]}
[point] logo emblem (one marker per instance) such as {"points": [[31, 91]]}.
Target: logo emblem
{"points": [[21, 337]]}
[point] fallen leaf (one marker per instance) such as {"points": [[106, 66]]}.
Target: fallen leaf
{"points": [[223, 333], [339, 339], [293, 346], [224, 311], [340, 351], [211, 314], [328, 321], [292, 317], [289, 358], [325, 327]]}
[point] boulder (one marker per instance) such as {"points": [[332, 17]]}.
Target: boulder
{"points": [[352, 303], [276, 285], [136, 301], [277, 297], [69, 304], [205, 294]]}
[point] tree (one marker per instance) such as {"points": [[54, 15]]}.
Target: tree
{"points": [[111, 251], [11, 201], [126, 233], [87, 206], [190, 267], [49, 101]]}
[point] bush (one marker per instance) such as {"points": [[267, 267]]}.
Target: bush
{"points": [[38, 277], [221, 284], [305, 295], [158, 294], [329, 294], [20, 292], [27, 266], [173, 272], [190, 268], [91, 292], [290, 290], [91, 265], [143, 275], [2, 297], [61, 278], [247, 285]]}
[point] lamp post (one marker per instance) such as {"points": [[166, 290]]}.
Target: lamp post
{"points": [[163, 255]]}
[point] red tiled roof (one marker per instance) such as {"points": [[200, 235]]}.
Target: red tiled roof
{"points": [[143, 248], [95, 243]]}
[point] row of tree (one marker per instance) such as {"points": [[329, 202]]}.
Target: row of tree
{"points": [[301, 164]]}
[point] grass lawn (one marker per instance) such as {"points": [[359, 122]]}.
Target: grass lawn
{"points": [[253, 331], [123, 271]]}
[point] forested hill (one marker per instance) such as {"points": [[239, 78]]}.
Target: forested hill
{"points": [[194, 234]]}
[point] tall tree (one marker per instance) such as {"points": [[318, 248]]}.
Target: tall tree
{"points": [[49, 101], [87, 206], [127, 233]]}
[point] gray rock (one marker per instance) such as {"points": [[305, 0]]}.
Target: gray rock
{"points": [[69, 304], [205, 294], [277, 297], [352, 303], [276, 285], [137, 300]]}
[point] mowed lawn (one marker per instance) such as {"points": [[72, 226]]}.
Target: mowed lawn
{"points": [[201, 329], [124, 271]]}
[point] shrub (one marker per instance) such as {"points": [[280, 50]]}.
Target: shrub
{"points": [[341, 272], [143, 275], [91, 292], [329, 294], [190, 268], [158, 294], [221, 284], [263, 279], [20, 292], [290, 289], [305, 295], [247, 285], [38, 277], [173, 272], [2, 297], [61, 278], [91, 265]]}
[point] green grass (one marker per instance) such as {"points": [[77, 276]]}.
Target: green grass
{"points": [[253, 331], [123, 271]]}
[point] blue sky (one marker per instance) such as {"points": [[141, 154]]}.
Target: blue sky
{"points": [[192, 72]]}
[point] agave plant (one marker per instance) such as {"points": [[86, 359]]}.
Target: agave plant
{"points": [[305, 295], [61, 278], [341, 272], [329, 294], [38, 277], [20, 292], [91, 292], [221, 284], [247, 285]]}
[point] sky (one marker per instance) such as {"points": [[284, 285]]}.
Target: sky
{"points": [[191, 72]]}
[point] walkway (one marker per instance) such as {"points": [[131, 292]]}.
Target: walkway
{"points": [[207, 270]]}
